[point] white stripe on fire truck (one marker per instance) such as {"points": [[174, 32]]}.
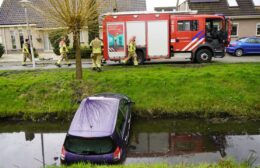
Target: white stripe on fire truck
{"points": [[201, 40], [192, 42], [111, 50]]}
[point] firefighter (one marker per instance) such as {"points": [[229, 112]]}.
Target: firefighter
{"points": [[214, 33], [63, 51], [131, 52], [222, 34], [96, 55], [26, 52]]}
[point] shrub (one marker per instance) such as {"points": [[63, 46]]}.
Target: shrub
{"points": [[2, 50], [36, 54], [84, 50]]}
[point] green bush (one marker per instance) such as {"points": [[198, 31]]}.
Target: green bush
{"points": [[2, 50], [84, 50], [36, 54]]}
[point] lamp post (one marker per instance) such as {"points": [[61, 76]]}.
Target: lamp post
{"points": [[24, 4], [115, 9]]}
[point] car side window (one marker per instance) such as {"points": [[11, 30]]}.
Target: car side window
{"points": [[120, 122], [251, 40], [258, 40], [121, 118], [123, 107]]}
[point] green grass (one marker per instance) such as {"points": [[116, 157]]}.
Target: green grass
{"points": [[220, 164], [213, 90]]}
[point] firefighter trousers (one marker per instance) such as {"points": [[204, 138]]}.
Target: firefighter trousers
{"points": [[131, 56], [96, 60], [25, 56], [64, 56]]}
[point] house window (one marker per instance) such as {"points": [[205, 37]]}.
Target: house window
{"points": [[81, 37], [47, 43], [234, 29], [13, 41], [232, 3], [258, 29], [21, 37], [1, 39], [256, 2], [188, 25]]}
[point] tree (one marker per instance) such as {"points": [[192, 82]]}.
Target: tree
{"points": [[93, 26], [72, 15]]}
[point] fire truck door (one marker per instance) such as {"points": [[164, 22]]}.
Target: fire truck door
{"points": [[158, 38], [187, 35], [116, 40], [137, 29]]}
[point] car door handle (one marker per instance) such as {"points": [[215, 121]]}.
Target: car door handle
{"points": [[177, 40]]}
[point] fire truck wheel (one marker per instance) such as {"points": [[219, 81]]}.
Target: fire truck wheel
{"points": [[140, 57], [203, 56], [239, 52]]}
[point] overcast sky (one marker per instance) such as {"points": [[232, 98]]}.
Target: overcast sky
{"points": [[160, 3]]}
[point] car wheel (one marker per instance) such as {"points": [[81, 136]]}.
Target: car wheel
{"points": [[140, 57], [203, 56], [239, 52]]}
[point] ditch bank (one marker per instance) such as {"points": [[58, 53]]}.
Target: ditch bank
{"points": [[159, 91]]}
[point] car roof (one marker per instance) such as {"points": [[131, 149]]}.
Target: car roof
{"points": [[249, 37], [96, 116]]}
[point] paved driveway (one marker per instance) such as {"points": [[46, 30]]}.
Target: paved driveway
{"points": [[233, 59]]}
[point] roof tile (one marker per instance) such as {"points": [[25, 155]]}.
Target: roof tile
{"points": [[12, 13], [245, 7]]}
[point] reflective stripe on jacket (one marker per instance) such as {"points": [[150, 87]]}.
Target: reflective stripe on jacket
{"points": [[26, 48], [63, 48], [131, 47]]}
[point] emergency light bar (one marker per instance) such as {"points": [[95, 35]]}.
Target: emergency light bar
{"points": [[151, 12]]}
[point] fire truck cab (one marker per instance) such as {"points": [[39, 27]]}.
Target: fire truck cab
{"points": [[178, 35]]}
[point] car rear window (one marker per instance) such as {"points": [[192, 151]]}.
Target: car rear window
{"points": [[89, 146]]}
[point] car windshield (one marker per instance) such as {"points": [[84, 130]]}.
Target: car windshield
{"points": [[89, 146]]}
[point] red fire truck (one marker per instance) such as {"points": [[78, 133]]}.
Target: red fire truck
{"points": [[175, 35]]}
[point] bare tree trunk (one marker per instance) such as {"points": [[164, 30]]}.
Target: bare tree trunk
{"points": [[76, 40]]}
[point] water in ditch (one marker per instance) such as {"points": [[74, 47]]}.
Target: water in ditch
{"points": [[30, 145]]}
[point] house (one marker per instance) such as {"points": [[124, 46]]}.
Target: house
{"points": [[245, 14], [13, 23]]}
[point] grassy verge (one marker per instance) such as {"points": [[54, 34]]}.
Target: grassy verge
{"points": [[220, 164], [172, 90]]}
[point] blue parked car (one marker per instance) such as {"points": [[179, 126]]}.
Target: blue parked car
{"points": [[245, 45], [99, 132]]}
